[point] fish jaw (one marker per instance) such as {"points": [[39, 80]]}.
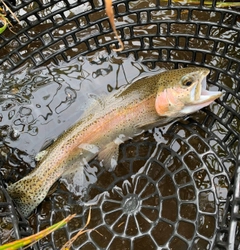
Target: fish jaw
{"points": [[204, 98]]}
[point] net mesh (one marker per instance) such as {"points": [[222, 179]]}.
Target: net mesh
{"points": [[181, 193]]}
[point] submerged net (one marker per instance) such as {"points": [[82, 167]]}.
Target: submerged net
{"points": [[174, 188]]}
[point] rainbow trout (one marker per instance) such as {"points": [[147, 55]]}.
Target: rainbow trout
{"points": [[138, 106]]}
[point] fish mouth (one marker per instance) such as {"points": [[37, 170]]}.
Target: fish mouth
{"points": [[205, 96], [201, 96]]}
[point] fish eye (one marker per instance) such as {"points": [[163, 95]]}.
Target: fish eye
{"points": [[187, 82]]}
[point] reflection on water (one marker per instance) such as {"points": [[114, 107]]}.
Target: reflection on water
{"points": [[41, 104]]}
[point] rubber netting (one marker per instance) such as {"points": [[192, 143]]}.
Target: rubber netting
{"points": [[182, 193]]}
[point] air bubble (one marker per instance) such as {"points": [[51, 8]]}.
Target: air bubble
{"points": [[14, 134]]}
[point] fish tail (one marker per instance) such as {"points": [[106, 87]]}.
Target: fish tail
{"points": [[27, 194]]}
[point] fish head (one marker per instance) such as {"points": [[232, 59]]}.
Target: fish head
{"points": [[183, 91]]}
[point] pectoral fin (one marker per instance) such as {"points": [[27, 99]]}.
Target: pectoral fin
{"points": [[109, 155]]}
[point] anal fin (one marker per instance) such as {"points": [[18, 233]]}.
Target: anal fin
{"points": [[79, 177]]}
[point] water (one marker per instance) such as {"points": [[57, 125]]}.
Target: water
{"points": [[37, 106], [172, 180], [161, 169]]}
